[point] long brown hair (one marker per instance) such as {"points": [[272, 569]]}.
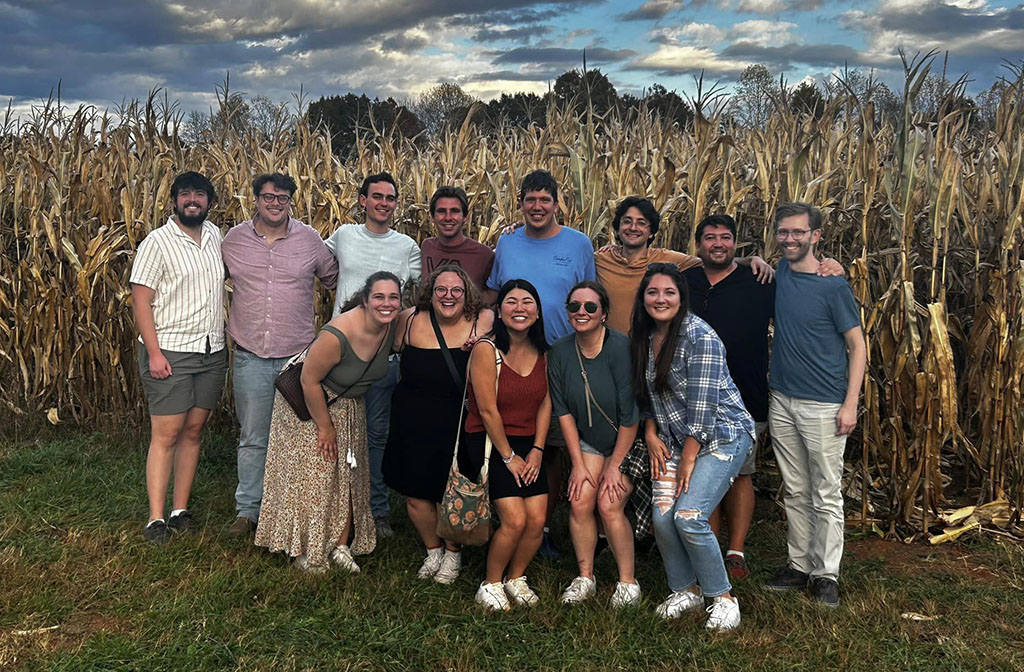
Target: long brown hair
{"points": [[643, 326]]}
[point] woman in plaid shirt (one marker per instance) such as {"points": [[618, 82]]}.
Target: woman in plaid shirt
{"points": [[697, 433]]}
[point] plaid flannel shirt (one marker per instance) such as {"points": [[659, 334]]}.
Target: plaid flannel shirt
{"points": [[702, 401]]}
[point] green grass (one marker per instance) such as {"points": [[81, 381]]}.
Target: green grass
{"points": [[71, 556]]}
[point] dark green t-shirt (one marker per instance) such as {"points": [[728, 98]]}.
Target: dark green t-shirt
{"points": [[611, 383]]}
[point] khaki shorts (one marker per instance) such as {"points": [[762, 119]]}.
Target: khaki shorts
{"points": [[196, 380], [750, 464]]}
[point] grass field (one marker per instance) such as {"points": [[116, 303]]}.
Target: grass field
{"points": [[81, 590]]}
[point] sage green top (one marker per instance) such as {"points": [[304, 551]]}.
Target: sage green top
{"points": [[351, 377]]}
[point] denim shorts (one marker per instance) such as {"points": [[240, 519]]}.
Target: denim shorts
{"points": [[587, 448]]}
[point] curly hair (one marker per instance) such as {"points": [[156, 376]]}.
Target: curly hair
{"points": [[473, 299]]}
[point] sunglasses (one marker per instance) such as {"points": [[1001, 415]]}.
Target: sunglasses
{"points": [[589, 306]]}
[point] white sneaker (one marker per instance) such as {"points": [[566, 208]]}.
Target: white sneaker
{"points": [[625, 595], [724, 614], [451, 563], [492, 597], [521, 593], [342, 557], [302, 563], [432, 563], [678, 603], [580, 589]]}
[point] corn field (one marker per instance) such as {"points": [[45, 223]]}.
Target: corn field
{"points": [[926, 218]]}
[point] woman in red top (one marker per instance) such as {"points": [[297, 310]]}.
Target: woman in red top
{"points": [[516, 418]]}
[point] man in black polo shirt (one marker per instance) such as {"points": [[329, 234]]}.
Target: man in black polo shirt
{"points": [[739, 308]]}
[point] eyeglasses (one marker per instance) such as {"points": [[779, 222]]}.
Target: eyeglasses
{"points": [[795, 234], [454, 292], [589, 306], [282, 199]]}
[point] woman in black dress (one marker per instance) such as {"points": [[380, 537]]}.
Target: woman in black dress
{"points": [[427, 401]]}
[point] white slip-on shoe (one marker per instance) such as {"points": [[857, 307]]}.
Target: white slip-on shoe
{"points": [[678, 603], [451, 563], [520, 592], [492, 597], [723, 614], [342, 557], [581, 588], [625, 595], [302, 563], [432, 563]]}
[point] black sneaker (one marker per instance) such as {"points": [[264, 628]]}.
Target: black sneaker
{"points": [[183, 522], [548, 550], [788, 579], [825, 591], [156, 532]]}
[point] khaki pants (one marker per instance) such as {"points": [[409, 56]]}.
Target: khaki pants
{"points": [[810, 459]]}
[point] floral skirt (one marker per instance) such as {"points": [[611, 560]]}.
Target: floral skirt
{"points": [[307, 501]]}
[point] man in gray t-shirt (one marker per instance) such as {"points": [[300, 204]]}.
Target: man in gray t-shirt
{"points": [[817, 368], [361, 250]]}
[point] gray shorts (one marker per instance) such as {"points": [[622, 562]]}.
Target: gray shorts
{"points": [[587, 448], [750, 464], [196, 380]]}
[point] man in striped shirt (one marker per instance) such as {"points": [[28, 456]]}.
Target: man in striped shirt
{"points": [[177, 283]]}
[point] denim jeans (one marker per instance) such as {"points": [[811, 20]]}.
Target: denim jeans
{"points": [[688, 547], [378, 420], [254, 401], [810, 459]]}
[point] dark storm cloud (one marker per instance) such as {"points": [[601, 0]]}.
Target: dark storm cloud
{"points": [[558, 55], [820, 55], [521, 34], [405, 43], [937, 20]]}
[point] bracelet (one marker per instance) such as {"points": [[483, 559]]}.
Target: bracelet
{"points": [[540, 448], [508, 460]]}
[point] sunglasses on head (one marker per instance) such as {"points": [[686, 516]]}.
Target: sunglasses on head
{"points": [[589, 306]]}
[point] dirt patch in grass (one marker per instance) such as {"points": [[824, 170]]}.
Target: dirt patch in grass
{"points": [[913, 558], [32, 641]]}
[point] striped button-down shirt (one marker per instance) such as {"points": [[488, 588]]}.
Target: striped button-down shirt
{"points": [[701, 400], [188, 279], [273, 292]]}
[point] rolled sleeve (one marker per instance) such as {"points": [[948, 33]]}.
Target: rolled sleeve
{"points": [[705, 366], [148, 265], [326, 266]]}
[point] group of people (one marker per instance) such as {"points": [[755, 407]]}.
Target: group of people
{"points": [[643, 371]]}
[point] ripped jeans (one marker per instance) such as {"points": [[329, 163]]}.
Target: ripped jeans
{"points": [[689, 550]]}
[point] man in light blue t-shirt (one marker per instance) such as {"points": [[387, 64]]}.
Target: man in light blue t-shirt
{"points": [[817, 368], [553, 258]]}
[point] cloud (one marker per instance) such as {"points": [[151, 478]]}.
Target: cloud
{"points": [[407, 42], [558, 55], [764, 33], [522, 34], [653, 10], [817, 55], [678, 59]]}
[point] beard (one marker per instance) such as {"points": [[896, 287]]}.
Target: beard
{"points": [[716, 265], [192, 222]]}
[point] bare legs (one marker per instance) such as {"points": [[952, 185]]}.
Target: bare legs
{"points": [[173, 446], [517, 540]]}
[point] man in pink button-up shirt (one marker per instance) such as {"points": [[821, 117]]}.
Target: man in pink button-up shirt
{"points": [[272, 260]]}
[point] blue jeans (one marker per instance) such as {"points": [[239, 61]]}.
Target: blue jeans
{"points": [[689, 549], [378, 420], [254, 401]]}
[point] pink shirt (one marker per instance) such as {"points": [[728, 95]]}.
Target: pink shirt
{"points": [[273, 292]]}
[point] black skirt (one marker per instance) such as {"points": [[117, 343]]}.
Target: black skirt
{"points": [[502, 482]]}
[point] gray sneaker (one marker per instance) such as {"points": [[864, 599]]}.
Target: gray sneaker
{"points": [[383, 525], [825, 591]]}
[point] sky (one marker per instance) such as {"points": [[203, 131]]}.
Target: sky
{"points": [[105, 51]]}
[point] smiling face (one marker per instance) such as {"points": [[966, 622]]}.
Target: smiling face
{"points": [[384, 302], [449, 296], [634, 229], [518, 310], [662, 299], [581, 320], [539, 209], [717, 247], [796, 238], [273, 213], [191, 207], [448, 219], [380, 202]]}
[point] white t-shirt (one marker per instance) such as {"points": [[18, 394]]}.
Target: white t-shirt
{"points": [[361, 253]]}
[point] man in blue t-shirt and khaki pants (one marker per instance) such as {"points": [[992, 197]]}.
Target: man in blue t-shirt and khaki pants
{"points": [[817, 368]]}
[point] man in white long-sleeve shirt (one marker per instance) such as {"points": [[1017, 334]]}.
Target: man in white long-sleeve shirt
{"points": [[363, 249]]}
